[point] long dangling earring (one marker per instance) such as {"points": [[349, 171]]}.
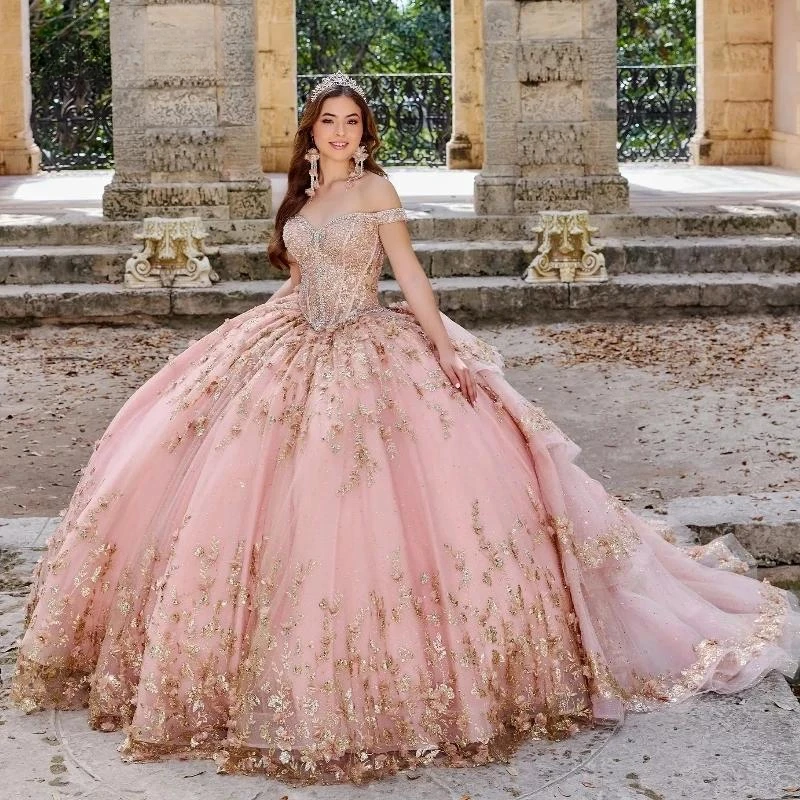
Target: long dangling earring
{"points": [[312, 156], [359, 157]]}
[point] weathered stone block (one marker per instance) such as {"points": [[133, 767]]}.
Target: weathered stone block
{"points": [[495, 194], [594, 193], [501, 21], [122, 201], [250, 201], [237, 105], [228, 300], [600, 19], [639, 295], [553, 101], [237, 44], [503, 103], [552, 61], [169, 30], [239, 157], [552, 143], [748, 58], [183, 151], [172, 108], [501, 64], [551, 19]]}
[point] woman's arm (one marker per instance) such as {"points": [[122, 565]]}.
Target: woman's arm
{"points": [[421, 299], [289, 285]]}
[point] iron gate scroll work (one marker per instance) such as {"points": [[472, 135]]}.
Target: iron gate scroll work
{"points": [[71, 83], [656, 79], [413, 113], [656, 112]]}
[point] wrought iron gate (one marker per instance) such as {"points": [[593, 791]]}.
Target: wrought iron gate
{"points": [[656, 79], [71, 83], [413, 113]]}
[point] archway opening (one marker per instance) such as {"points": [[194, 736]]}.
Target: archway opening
{"points": [[71, 83], [656, 79]]}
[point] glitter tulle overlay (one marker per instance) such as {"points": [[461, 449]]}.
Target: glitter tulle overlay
{"points": [[298, 550]]}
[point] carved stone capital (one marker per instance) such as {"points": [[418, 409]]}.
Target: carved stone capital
{"points": [[565, 252], [173, 254]]}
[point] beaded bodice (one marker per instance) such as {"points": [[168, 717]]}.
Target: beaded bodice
{"points": [[340, 264]]}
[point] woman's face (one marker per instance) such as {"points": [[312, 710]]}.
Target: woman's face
{"points": [[338, 129]]}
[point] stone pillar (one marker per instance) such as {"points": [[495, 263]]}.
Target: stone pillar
{"points": [[185, 115], [551, 107], [19, 155], [465, 148], [734, 82], [785, 144], [277, 82]]}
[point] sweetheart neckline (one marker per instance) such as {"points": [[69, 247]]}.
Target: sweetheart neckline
{"points": [[335, 218]]}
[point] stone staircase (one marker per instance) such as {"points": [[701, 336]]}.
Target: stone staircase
{"points": [[714, 260]]}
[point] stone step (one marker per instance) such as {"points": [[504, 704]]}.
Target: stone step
{"points": [[469, 300], [106, 263], [767, 524], [41, 230]]}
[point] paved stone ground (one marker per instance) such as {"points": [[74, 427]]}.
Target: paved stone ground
{"points": [[76, 195]]}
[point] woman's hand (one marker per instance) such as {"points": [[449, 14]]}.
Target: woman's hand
{"points": [[458, 373]]}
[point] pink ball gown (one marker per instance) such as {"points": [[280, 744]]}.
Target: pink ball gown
{"points": [[298, 550]]}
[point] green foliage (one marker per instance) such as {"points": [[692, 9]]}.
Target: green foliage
{"points": [[373, 36], [656, 32], [71, 82]]}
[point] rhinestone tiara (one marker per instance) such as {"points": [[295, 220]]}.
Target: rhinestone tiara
{"points": [[337, 79]]}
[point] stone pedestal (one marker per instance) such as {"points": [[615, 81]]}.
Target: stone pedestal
{"points": [[551, 108], [276, 64], [734, 82], [185, 115], [19, 155], [465, 148]]}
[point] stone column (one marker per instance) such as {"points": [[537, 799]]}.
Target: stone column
{"points": [[185, 114], [734, 82], [19, 155], [551, 107], [465, 148], [785, 145], [277, 82]]}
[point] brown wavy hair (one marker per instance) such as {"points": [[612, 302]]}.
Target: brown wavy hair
{"points": [[296, 196]]}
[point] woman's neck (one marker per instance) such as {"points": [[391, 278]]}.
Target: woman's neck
{"points": [[333, 171]]}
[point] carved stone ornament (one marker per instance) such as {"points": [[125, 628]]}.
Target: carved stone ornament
{"points": [[173, 254], [565, 252]]}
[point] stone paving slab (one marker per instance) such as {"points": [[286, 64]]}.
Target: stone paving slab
{"points": [[767, 525], [744, 746]]}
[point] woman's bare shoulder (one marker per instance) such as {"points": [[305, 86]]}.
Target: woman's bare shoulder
{"points": [[379, 193]]}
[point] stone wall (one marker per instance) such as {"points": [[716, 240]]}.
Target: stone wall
{"points": [[735, 82], [18, 153], [551, 105], [185, 117]]}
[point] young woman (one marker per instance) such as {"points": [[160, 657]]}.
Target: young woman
{"points": [[329, 540]]}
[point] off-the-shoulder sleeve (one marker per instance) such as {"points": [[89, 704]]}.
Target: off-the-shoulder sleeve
{"points": [[390, 215]]}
